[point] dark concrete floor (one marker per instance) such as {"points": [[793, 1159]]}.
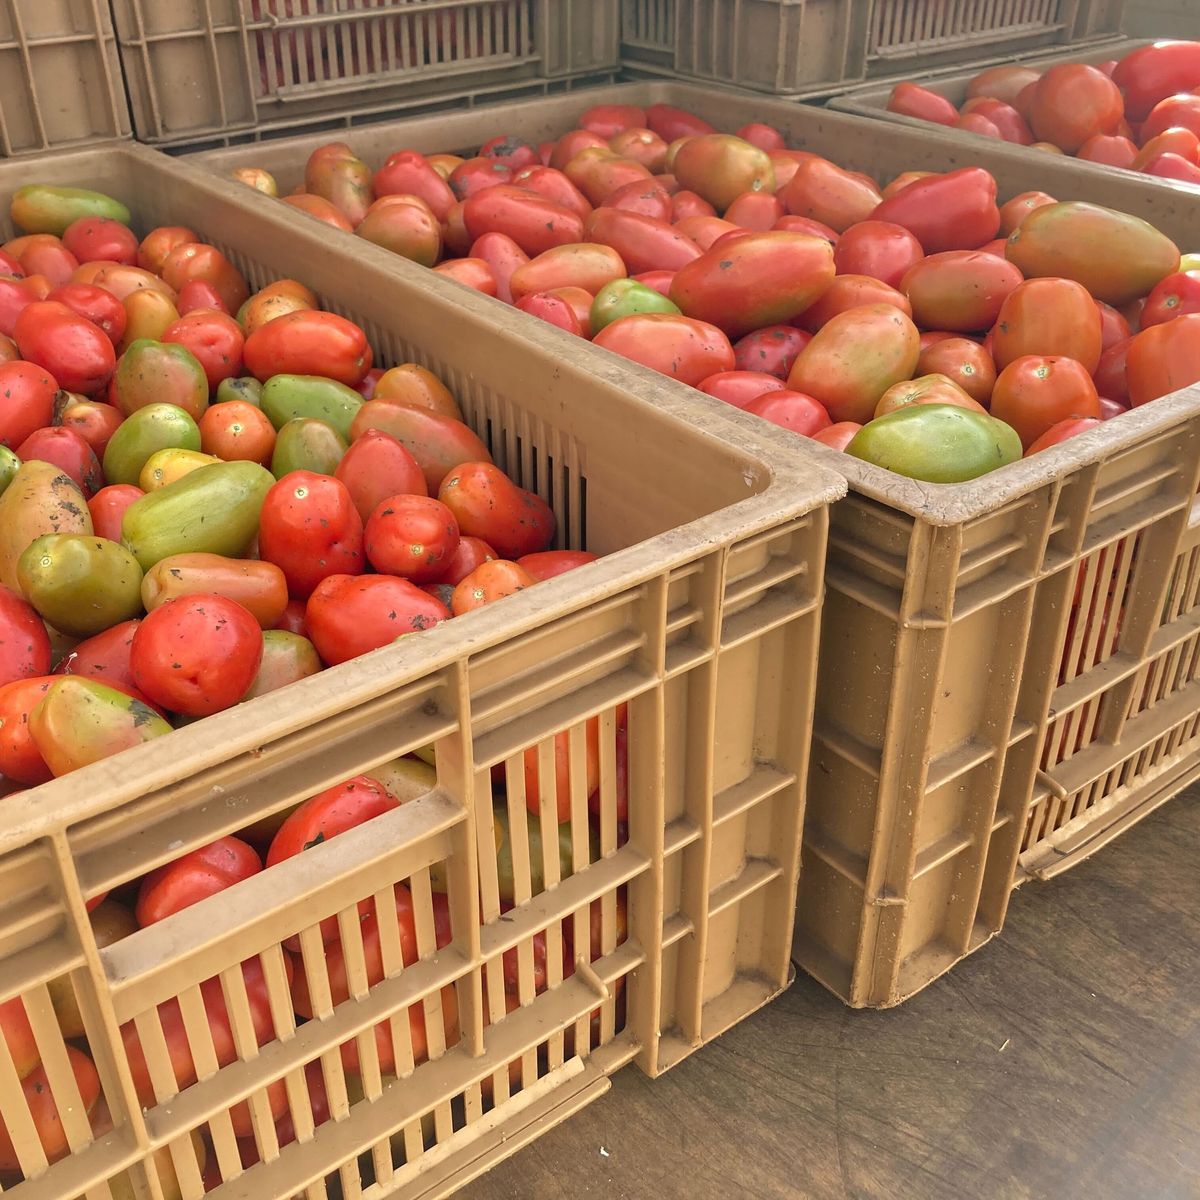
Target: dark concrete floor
{"points": [[1061, 1061]]}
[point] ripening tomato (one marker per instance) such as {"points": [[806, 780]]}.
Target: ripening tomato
{"points": [[310, 529], [408, 173], [1035, 392], [925, 389], [1003, 83], [959, 290], [962, 361], [573, 143], [1073, 102], [194, 877], [823, 191], [1163, 359], [470, 553], [197, 260], [772, 349], [159, 242], [790, 410], [42, 255], [349, 615], [911, 100], [197, 654], [214, 339], [847, 292], [489, 582], [683, 348], [487, 504], [1048, 317], [877, 248], [28, 392], [309, 343], [77, 353], [237, 431]]}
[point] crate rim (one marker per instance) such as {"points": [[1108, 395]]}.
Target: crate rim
{"points": [[936, 504]]}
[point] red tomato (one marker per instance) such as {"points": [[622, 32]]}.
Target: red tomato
{"points": [[955, 211], [407, 173], [475, 175], [377, 466], [573, 143], [794, 224], [962, 361], [686, 203], [772, 349], [197, 654], [1112, 408], [309, 343], [43, 255], [108, 507], [822, 191], [490, 581], [196, 293], [1048, 317], [738, 387], [645, 196], [349, 615], [15, 296], [548, 564], [504, 257], [470, 553], [68, 451], [959, 290], [910, 100], [680, 347], [104, 657], [28, 392], [470, 272], [607, 120], [411, 536], [1154, 72], [101, 239], [1034, 392], [24, 643], [344, 806], [1073, 102], [197, 260], [194, 877], [215, 341], [671, 123], [1163, 359], [553, 310], [1172, 297], [20, 759], [562, 770], [755, 210], [847, 292], [76, 352], [643, 243], [1014, 211], [159, 242], [879, 249], [838, 435], [513, 151], [1110, 149], [1172, 166], [94, 304], [533, 222], [43, 1107], [1004, 119], [293, 618], [554, 185], [1060, 432], [236, 431], [489, 505], [1110, 375], [1113, 326], [790, 410], [18, 1034], [1180, 111], [973, 122], [765, 137], [1180, 141], [310, 529]]}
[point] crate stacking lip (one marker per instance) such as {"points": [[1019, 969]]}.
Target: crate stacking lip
{"points": [[291, 1033], [60, 77], [218, 68], [948, 615]]}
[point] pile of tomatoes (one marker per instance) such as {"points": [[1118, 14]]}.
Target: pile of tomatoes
{"points": [[207, 494], [919, 325], [1140, 113]]}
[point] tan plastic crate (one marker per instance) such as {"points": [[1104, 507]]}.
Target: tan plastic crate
{"points": [[703, 616], [220, 70], [814, 47], [60, 78], [931, 650]]}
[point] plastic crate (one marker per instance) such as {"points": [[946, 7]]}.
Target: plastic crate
{"points": [[700, 617], [940, 660], [815, 47], [60, 78], [211, 69]]}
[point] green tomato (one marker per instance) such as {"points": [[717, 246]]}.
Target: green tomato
{"points": [[937, 443], [1190, 262], [9, 463], [625, 298], [244, 388]]}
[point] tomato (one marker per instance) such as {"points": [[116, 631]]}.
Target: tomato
{"points": [[688, 204], [855, 358], [1004, 119], [1163, 359], [877, 248], [108, 506], [68, 451], [720, 168], [405, 226], [469, 553], [1035, 392], [642, 146], [1113, 325], [101, 239], [973, 122], [772, 349], [647, 197], [1014, 211], [938, 443], [1153, 72], [959, 290], [237, 431], [1172, 166], [411, 536], [847, 292], [738, 387], [1073, 102], [1060, 432], [963, 362], [838, 435], [18, 1035], [27, 392], [571, 144], [553, 310], [585, 265], [548, 564], [159, 242], [196, 293], [76, 352], [1180, 111], [8, 349], [39, 1098], [1177, 140], [349, 615], [1003, 83], [475, 175], [24, 643], [104, 657], [822, 191], [309, 343], [910, 100], [259, 587], [194, 877], [1110, 149], [955, 211], [683, 348], [196, 260], [607, 120], [790, 410], [1110, 375], [1172, 297], [1048, 317], [580, 303], [490, 581], [94, 304], [554, 185], [438, 443], [214, 339], [470, 272], [533, 222], [275, 300], [643, 243], [157, 372], [762, 279], [407, 173], [310, 528], [925, 389], [321, 210], [43, 255], [196, 655], [1112, 408], [489, 505], [20, 759], [293, 618], [344, 806], [15, 296], [377, 466], [755, 210], [511, 150]]}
